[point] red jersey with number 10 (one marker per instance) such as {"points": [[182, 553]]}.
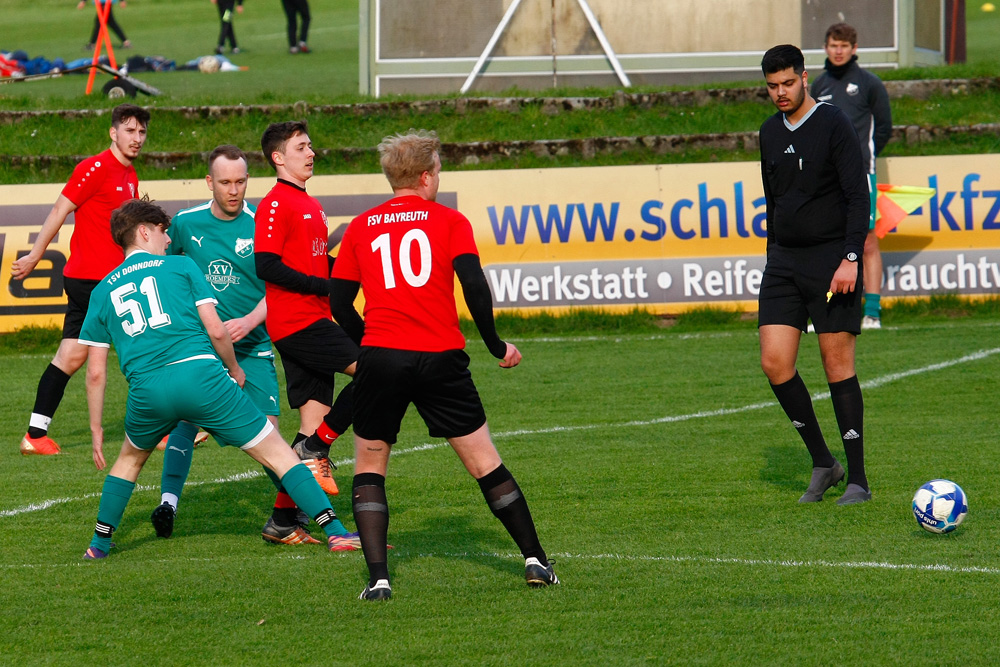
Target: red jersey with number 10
{"points": [[292, 225], [98, 186], [401, 252]]}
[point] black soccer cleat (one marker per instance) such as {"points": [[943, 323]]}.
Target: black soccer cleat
{"points": [[538, 575], [380, 591], [163, 519], [296, 534]]}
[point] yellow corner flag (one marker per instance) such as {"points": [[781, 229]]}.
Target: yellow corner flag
{"points": [[895, 202]]}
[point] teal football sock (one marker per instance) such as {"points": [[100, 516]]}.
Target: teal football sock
{"points": [[114, 497], [872, 306], [177, 458], [300, 484]]}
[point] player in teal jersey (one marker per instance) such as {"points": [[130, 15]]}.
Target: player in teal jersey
{"points": [[218, 236], [160, 315]]}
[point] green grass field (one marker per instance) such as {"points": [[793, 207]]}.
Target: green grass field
{"points": [[663, 480], [662, 475]]}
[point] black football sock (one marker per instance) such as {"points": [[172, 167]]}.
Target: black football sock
{"points": [[285, 512], [507, 503], [315, 447], [51, 388], [341, 413], [795, 401], [371, 514], [336, 421], [298, 438], [849, 407]]}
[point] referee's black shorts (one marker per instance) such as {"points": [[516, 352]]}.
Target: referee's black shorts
{"points": [[311, 357], [439, 384], [77, 302], [794, 288]]}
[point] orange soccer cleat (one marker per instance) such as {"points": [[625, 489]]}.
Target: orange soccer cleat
{"points": [[43, 446], [320, 468]]}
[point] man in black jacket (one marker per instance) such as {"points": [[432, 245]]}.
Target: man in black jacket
{"points": [[817, 219], [863, 98]]}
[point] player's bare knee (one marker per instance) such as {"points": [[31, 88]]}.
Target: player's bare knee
{"points": [[71, 356], [871, 244]]}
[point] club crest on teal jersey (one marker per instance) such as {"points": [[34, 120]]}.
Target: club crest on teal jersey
{"points": [[220, 275], [244, 247]]}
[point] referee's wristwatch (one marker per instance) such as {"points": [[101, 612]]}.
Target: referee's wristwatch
{"points": [[851, 257]]}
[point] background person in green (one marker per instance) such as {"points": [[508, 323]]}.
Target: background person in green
{"points": [[160, 315], [218, 236], [862, 96]]}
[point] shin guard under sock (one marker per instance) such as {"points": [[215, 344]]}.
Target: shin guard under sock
{"points": [[795, 401], [507, 503], [303, 488], [51, 387], [177, 458], [849, 407], [115, 495], [371, 513]]}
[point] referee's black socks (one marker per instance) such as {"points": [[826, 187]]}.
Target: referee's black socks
{"points": [[849, 407], [795, 401]]}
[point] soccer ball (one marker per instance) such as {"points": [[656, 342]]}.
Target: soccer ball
{"points": [[208, 64], [939, 506]]}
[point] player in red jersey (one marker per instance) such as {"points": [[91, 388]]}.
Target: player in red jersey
{"points": [[98, 186], [290, 254], [405, 255]]}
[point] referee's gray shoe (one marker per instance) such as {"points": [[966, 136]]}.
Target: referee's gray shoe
{"points": [[854, 494], [822, 479]]}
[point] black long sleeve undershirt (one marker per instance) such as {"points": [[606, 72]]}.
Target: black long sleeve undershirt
{"points": [[271, 269], [342, 296], [479, 300]]}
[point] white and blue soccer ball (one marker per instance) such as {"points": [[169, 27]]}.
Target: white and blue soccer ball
{"points": [[940, 506]]}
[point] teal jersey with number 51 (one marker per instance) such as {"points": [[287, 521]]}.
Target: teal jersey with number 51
{"points": [[148, 309]]}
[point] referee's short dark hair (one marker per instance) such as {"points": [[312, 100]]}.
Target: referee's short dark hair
{"points": [[782, 57], [277, 135]]}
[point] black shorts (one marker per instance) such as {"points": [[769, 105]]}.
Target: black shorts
{"points": [[78, 301], [439, 384], [794, 289], [311, 357]]}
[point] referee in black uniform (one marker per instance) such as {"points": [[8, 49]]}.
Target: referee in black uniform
{"points": [[817, 219]]}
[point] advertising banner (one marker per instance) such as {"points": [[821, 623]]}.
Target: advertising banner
{"points": [[660, 237]]}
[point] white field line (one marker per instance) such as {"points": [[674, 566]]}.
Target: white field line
{"points": [[870, 384], [760, 563]]}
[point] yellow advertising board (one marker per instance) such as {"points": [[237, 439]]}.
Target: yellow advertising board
{"points": [[662, 237]]}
